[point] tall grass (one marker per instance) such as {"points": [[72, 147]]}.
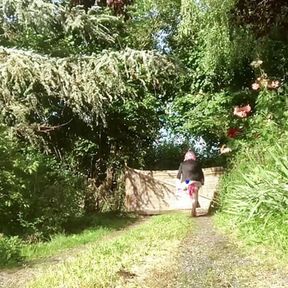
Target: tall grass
{"points": [[254, 194]]}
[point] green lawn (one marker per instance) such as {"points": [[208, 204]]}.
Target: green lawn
{"points": [[78, 232], [103, 263]]}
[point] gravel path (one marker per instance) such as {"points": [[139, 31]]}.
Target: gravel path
{"points": [[209, 259], [205, 259]]}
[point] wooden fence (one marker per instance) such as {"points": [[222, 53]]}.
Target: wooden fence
{"points": [[154, 192]]}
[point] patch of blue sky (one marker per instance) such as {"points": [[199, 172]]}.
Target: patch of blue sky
{"points": [[161, 40]]}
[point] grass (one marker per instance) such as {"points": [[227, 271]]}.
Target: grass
{"points": [[78, 231], [254, 196], [108, 263], [269, 240], [268, 264]]}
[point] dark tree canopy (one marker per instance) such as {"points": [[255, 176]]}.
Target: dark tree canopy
{"points": [[117, 6], [261, 15]]}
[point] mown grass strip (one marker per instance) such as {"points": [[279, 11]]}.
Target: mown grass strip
{"points": [[100, 265], [80, 231]]}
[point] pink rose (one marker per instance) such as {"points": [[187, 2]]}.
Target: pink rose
{"points": [[243, 111], [255, 86]]}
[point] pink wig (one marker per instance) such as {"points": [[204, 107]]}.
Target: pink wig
{"points": [[190, 156]]}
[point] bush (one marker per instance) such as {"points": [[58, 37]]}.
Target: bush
{"points": [[37, 193], [10, 250]]}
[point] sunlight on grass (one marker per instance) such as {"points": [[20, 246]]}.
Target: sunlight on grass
{"points": [[269, 241], [101, 264], [79, 232], [254, 198], [60, 242]]}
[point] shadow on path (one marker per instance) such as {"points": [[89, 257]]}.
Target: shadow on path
{"points": [[17, 277]]}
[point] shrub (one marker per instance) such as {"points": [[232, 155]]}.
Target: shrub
{"points": [[37, 193], [10, 250]]}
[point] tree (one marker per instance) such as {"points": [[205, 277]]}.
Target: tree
{"points": [[263, 17], [68, 96]]}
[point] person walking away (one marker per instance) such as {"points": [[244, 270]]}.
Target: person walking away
{"points": [[190, 172]]}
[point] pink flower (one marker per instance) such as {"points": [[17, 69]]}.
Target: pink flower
{"points": [[242, 112], [255, 86], [264, 82], [274, 84]]}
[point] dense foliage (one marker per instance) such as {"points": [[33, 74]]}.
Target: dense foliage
{"points": [[9, 250], [236, 97], [255, 197], [87, 86], [78, 100], [35, 190]]}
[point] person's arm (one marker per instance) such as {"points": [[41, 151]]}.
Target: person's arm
{"points": [[202, 176], [179, 172], [201, 173]]}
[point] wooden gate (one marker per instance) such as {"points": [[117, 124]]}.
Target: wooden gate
{"points": [[154, 192]]}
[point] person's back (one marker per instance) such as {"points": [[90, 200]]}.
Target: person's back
{"points": [[190, 170]]}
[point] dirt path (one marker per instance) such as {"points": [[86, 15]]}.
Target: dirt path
{"points": [[208, 259], [205, 259]]}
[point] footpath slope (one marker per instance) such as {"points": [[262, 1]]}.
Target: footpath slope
{"points": [[208, 258], [205, 258]]}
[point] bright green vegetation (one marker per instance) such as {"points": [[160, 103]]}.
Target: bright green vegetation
{"points": [[86, 89], [255, 195], [78, 232], [100, 265], [254, 191]]}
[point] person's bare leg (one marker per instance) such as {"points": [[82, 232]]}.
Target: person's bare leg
{"points": [[194, 203]]}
